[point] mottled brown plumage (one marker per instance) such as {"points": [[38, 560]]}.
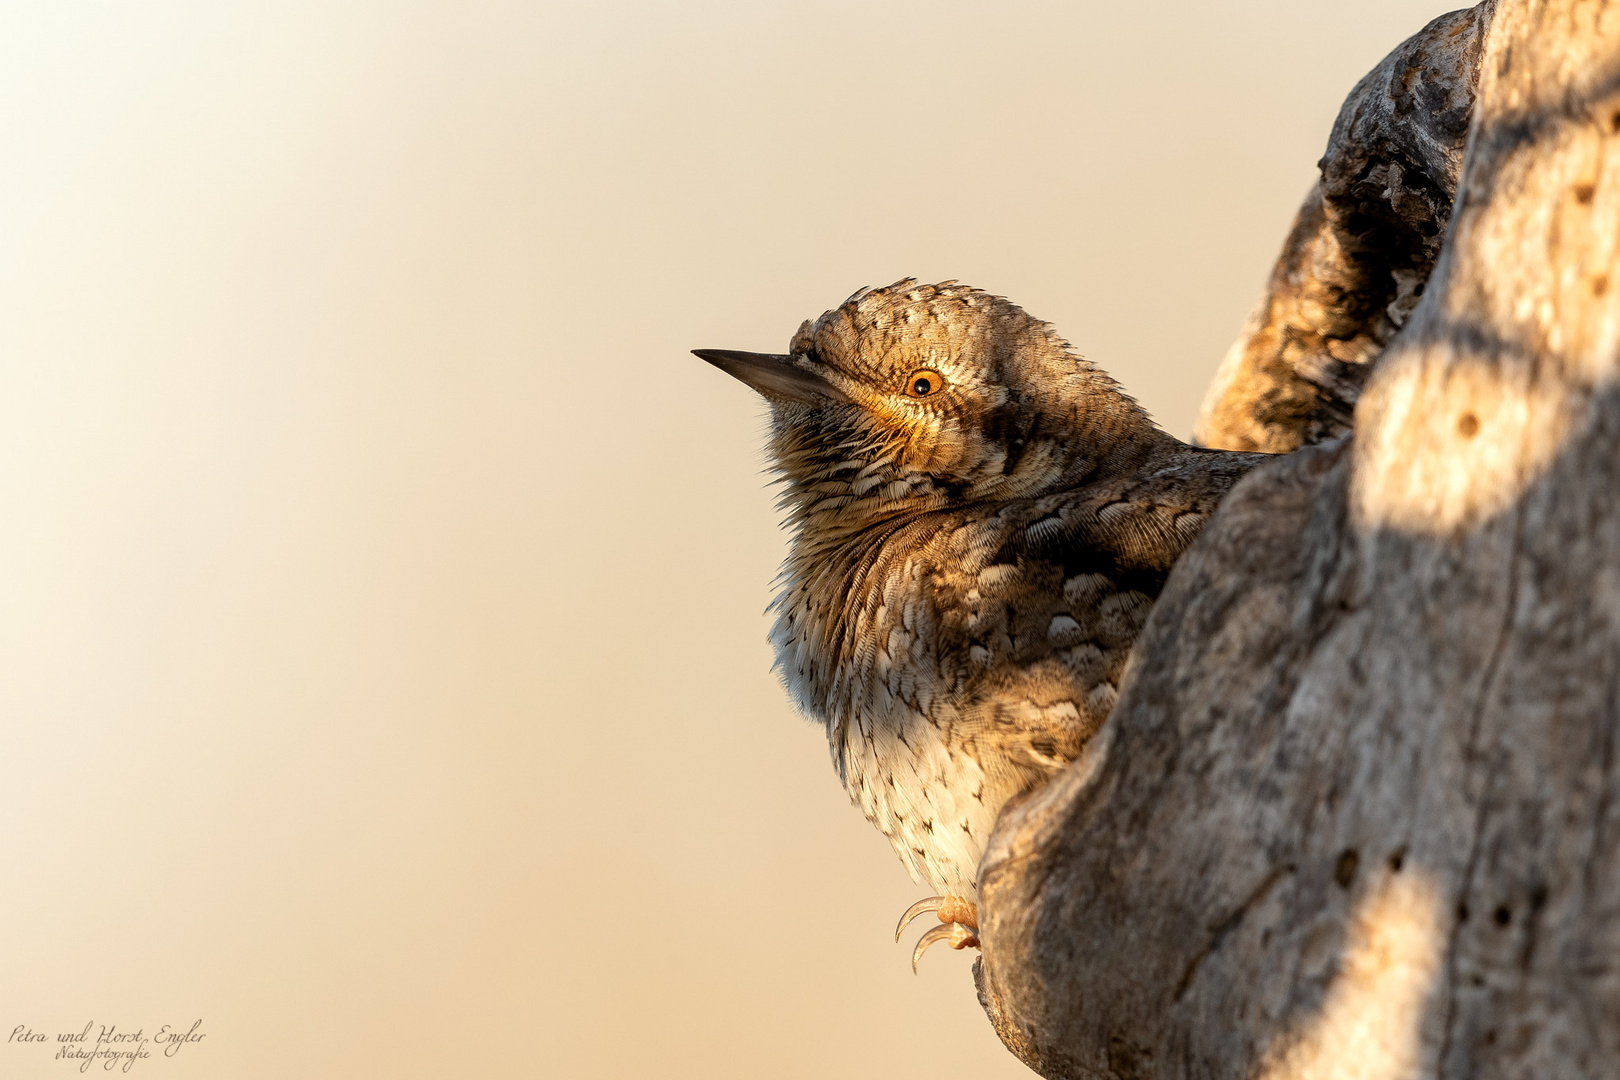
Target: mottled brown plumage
{"points": [[981, 521]]}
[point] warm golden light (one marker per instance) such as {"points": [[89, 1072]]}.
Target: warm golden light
{"points": [[383, 674], [1370, 1025]]}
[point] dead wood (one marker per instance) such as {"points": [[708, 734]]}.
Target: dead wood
{"points": [[1356, 812], [1361, 250]]}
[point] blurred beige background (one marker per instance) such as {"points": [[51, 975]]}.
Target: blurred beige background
{"points": [[383, 676]]}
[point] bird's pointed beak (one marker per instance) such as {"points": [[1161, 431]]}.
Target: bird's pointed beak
{"points": [[774, 375]]}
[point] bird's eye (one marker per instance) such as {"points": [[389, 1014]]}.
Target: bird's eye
{"points": [[924, 382]]}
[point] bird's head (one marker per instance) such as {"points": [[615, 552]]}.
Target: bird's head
{"points": [[916, 397]]}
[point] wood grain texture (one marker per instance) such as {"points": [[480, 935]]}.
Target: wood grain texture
{"points": [[1356, 811]]}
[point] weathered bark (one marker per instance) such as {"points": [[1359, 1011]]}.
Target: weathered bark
{"points": [[1357, 811], [1360, 252]]}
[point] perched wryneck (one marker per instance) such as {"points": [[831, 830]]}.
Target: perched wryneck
{"points": [[981, 522]]}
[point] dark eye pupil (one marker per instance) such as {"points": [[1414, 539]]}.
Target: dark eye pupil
{"points": [[922, 386]]}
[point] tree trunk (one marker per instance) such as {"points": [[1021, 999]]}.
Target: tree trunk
{"points": [[1357, 811]]}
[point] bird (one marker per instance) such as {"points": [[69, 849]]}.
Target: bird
{"points": [[980, 522]]}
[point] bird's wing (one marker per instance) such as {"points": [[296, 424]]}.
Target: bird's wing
{"points": [[1044, 629]]}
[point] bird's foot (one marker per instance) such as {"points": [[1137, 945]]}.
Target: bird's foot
{"points": [[959, 924]]}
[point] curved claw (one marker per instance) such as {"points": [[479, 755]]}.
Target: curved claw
{"points": [[930, 903], [959, 935], [941, 932]]}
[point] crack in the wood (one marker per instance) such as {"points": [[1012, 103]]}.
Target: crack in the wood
{"points": [[1592, 1014], [1222, 930], [1492, 671]]}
